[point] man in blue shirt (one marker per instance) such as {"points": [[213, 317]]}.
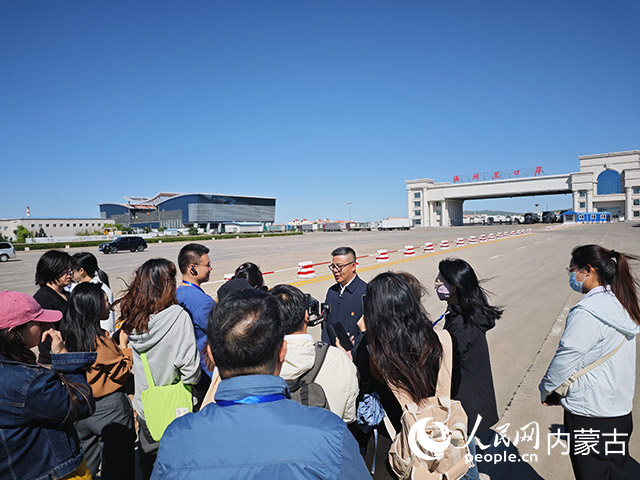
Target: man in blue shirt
{"points": [[254, 431], [195, 266], [345, 297]]}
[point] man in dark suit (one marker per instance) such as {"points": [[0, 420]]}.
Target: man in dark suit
{"points": [[345, 297]]}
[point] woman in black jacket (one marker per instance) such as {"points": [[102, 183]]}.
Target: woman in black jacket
{"points": [[468, 317]]}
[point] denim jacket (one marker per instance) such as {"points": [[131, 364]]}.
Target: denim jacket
{"points": [[37, 437]]}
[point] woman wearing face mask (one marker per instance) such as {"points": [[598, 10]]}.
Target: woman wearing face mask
{"points": [[606, 320], [108, 436], [467, 319]]}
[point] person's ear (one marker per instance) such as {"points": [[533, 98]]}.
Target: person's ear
{"points": [[210, 353], [306, 317], [452, 289]]}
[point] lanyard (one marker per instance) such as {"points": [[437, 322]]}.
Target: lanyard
{"points": [[193, 285], [252, 399], [439, 318]]}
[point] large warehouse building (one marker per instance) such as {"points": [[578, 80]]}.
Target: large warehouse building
{"points": [[179, 210]]}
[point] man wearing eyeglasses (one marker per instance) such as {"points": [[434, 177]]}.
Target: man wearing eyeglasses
{"points": [[345, 297]]}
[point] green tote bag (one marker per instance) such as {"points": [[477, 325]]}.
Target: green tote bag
{"points": [[162, 405]]}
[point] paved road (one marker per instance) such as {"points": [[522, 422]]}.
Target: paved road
{"points": [[526, 275]]}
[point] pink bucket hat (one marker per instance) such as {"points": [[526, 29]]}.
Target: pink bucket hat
{"points": [[18, 308]]}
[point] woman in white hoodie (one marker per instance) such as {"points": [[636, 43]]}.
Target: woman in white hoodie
{"points": [[600, 401], [159, 327]]}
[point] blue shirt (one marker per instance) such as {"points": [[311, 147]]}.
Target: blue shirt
{"points": [[278, 439], [345, 308], [199, 305]]}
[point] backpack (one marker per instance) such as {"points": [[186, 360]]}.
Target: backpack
{"points": [[304, 390], [422, 450]]}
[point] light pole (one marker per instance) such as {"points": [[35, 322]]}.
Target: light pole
{"points": [[349, 205], [537, 207]]}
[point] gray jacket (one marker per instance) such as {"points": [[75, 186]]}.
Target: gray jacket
{"points": [[171, 350], [595, 327]]}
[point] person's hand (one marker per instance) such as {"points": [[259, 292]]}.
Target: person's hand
{"points": [[348, 352], [552, 400], [361, 325], [124, 340], [57, 344]]}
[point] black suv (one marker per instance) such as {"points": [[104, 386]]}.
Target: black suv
{"points": [[124, 243]]}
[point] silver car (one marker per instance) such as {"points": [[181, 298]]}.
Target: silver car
{"points": [[6, 251]]}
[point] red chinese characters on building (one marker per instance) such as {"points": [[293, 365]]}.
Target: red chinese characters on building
{"points": [[538, 171], [476, 176], [496, 175], [516, 173], [456, 179]]}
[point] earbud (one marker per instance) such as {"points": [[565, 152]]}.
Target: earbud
{"points": [[193, 271]]}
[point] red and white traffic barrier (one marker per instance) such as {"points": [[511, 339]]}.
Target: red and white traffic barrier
{"points": [[382, 256], [483, 238], [228, 276], [409, 251], [473, 240], [428, 247], [444, 245], [506, 234], [499, 235], [460, 242], [306, 270], [529, 230], [513, 233], [492, 236]]}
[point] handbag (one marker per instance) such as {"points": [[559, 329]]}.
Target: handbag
{"points": [[162, 405], [563, 389]]}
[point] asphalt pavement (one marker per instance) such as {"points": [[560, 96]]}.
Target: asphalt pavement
{"points": [[525, 274]]}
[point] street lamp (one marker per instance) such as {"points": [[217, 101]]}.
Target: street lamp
{"points": [[349, 205], [536, 207]]}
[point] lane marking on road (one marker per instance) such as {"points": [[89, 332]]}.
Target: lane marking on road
{"points": [[496, 256], [520, 248], [375, 266]]}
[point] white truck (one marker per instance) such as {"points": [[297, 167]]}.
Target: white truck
{"points": [[395, 223]]}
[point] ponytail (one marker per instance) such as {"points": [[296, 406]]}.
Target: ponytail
{"points": [[614, 271], [103, 277]]}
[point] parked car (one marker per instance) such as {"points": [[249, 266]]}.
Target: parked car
{"points": [[549, 217], [531, 218], [6, 251], [123, 243]]}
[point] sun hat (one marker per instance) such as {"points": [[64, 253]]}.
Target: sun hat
{"points": [[17, 308]]}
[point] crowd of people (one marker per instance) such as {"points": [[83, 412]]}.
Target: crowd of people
{"points": [[165, 382]]}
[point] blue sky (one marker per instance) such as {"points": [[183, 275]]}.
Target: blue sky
{"points": [[317, 103]]}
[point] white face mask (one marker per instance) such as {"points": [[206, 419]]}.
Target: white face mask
{"points": [[443, 292]]}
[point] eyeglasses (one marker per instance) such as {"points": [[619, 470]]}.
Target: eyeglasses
{"points": [[208, 265], [571, 270], [338, 268]]}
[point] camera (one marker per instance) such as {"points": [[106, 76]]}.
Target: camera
{"points": [[318, 312]]}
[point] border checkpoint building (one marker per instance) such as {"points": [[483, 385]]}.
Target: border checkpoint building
{"points": [[606, 182], [180, 210]]}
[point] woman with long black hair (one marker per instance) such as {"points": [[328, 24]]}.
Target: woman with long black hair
{"points": [[468, 318], [603, 323], [107, 436]]}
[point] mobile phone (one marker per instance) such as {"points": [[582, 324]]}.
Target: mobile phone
{"points": [[342, 335]]}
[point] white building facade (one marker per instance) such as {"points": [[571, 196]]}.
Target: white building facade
{"points": [[54, 227], [606, 182]]}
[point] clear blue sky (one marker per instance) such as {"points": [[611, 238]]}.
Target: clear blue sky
{"points": [[314, 102]]}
